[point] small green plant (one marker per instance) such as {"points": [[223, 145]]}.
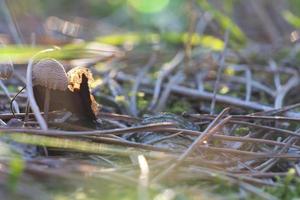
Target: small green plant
{"points": [[289, 187], [16, 168]]}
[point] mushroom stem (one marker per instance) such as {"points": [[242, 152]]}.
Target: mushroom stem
{"points": [[27, 110], [46, 104], [30, 94]]}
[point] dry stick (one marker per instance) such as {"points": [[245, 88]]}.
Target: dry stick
{"points": [[264, 174], [117, 90], [176, 79], [2, 123], [211, 129], [220, 98], [249, 153], [153, 141], [30, 94], [277, 110], [248, 77], [126, 143], [276, 76], [254, 140], [271, 162], [253, 83], [278, 130], [115, 116], [229, 138], [194, 93], [199, 80], [265, 69], [115, 123], [219, 73], [165, 71], [245, 117], [118, 131], [8, 116], [292, 83], [135, 87], [252, 180]]}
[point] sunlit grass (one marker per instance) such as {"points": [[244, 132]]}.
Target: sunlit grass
{"points": [[78, 145], [224, 21], [135, 38], [21, 54], [291, 18]]}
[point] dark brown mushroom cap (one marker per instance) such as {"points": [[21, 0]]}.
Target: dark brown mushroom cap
{"points": [[79, 79], [51, 74], [6, 71], [75, 77]]}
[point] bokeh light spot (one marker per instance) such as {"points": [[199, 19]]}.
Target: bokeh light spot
{"points": [[148, 6]]}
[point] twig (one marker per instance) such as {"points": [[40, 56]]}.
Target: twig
{"points": [[281, 93], [165, 71], [148, 127], [115, 116], [163, 138], [270, 163], [194, 93], [246, 117], [13, 100], [276, 130], [211, 129], [176, 79], [254, 140], [248, 84], [136, 84], [253, 83], [219, 73]]}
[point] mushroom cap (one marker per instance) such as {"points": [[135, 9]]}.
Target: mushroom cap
{"points": [[75, 77], [6, 71], [51, 74], [75, 81]]}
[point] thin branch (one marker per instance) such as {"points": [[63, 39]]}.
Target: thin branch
{"points": [[165, 71], [211, 129], [136, 84], [219, 73]]}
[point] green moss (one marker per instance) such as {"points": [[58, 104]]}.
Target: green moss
{"points": [[242, 131], [179, 107]]}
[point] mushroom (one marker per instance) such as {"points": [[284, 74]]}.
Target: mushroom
{"points": [[51, 75], [6, 71], [69, 91], [79, 80]]}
